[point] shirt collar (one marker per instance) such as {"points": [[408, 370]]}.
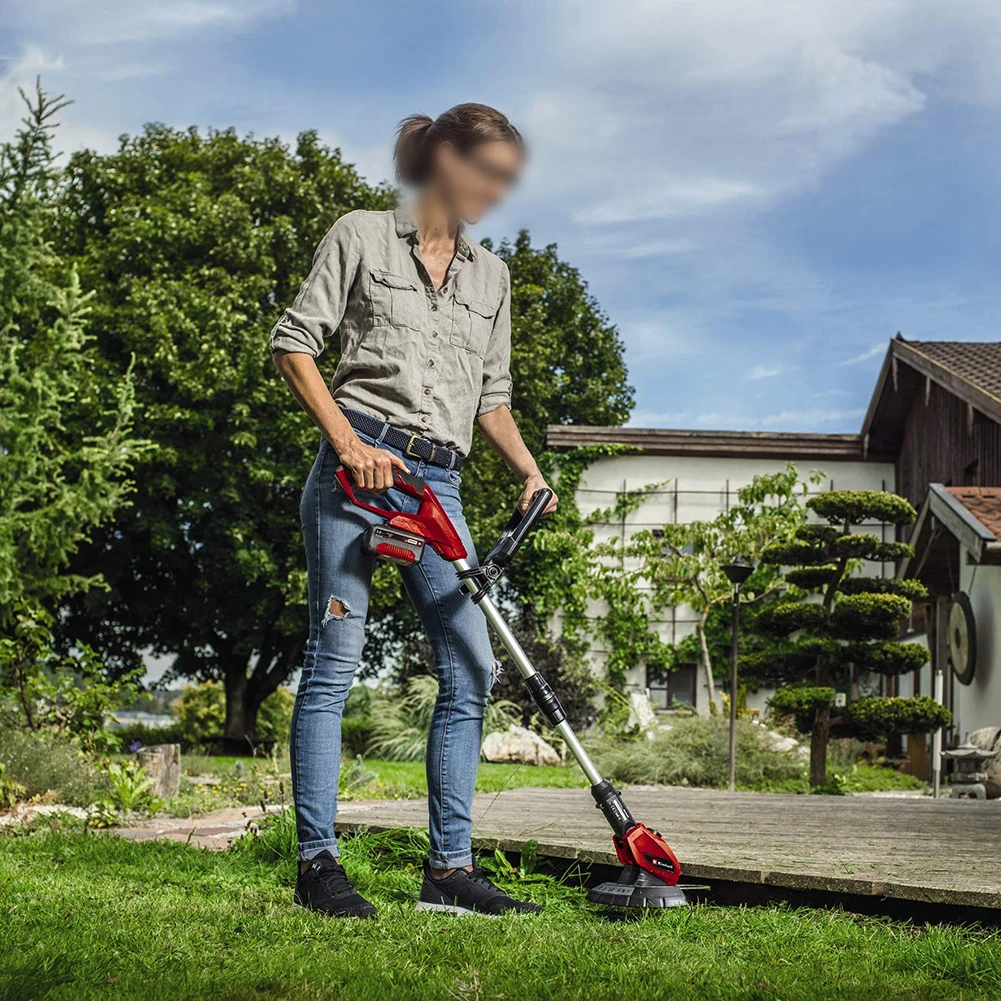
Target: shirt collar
{"points": [[406, 227]]}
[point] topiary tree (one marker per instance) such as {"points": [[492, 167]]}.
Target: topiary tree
{"points": [[854, 623]]}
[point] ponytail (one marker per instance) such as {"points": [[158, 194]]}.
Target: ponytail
{"points": [[464, 126]]}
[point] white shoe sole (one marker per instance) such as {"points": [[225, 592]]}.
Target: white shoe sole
{"points": [[423, 905]]}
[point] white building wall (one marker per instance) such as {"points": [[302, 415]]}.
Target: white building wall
{"points": [[695, 488], [979, 704]]}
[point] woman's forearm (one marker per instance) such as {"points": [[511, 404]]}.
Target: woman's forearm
{"points": [[371, 468], [304, 380], [505, 439]]}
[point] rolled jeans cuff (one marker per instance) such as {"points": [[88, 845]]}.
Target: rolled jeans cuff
{"points": [[310, 849], [450, 860]]}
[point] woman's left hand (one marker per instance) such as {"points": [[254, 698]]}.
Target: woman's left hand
{"points": [[533, 485]]}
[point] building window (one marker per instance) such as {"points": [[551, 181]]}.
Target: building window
{"points": [[673, 689]]}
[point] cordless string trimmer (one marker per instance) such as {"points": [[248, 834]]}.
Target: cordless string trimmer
{"points": [[650, 871]]}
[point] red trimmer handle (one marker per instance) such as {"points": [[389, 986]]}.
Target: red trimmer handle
{"points": [[406, 482]]}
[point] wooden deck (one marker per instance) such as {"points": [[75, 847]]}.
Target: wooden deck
{"points": [[908, 849]]}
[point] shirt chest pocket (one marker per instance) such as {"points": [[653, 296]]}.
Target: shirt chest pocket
{"points": [[473, 321], [396, 300]]}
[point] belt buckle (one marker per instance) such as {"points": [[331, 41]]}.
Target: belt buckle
{"points": [[409, 451]]}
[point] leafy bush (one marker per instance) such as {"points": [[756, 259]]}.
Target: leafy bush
{"points": [[889, 657], [400, 722], [874, 718], [858, 506], [789, 616], [875, 616], [812, 578], [52, 767], [695, 752], [908, 587], [44, 691], [131, 788], [793, 554], [201, 714], [149, 736], [802, 703]]}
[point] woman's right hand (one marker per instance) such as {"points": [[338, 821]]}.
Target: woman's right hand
{"points": [[371, 468]]}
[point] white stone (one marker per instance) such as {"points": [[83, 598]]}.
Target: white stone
{"points": [[642, 714], [787, 744], [24, 813], [516, 745]]}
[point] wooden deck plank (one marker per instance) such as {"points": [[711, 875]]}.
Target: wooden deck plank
{"points": [[935, 851]]}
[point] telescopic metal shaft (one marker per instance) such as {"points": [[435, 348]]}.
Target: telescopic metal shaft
{"points": [[510, 643]]}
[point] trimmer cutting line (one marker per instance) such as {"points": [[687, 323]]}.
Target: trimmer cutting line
{"points": [[650, 871]]}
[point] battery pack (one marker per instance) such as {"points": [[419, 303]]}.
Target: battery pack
{"points": [[393, 545]]}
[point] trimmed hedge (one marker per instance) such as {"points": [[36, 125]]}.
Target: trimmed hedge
{"points": [[794, 554], [811, 578], [908, 588], [802, 702], [874, 718], [858, 506], [869, 616], [789, 616], [821, 534], [777, 667], [887, 658]]}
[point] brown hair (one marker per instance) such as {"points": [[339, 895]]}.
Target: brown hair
{"points": [[464, 126]]}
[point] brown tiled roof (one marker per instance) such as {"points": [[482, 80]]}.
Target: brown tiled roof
{"points": [[984, 503], [976, 363]]}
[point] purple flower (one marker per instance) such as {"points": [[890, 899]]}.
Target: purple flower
{"points": [[135, 745]]}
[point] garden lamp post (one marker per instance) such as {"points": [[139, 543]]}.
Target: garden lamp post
{"points": [[736, 572]]}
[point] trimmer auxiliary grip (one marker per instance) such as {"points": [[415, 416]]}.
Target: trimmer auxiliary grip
{"points": [[514, 534]]}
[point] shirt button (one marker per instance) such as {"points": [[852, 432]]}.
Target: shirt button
{"points": [[434, 333], [434, 309], [427, 392], [424, 419], [430, 362]]}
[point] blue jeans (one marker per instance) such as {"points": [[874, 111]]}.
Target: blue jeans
{"points": [[340, 577]]}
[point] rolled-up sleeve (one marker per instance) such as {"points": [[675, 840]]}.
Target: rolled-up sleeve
{"points": [[319, 307], [496, 389]]}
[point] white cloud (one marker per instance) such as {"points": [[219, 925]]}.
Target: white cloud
{"points": [[874, 351], [765, 371]]}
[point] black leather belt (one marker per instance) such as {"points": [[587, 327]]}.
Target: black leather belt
{"points": [[409, 444]]}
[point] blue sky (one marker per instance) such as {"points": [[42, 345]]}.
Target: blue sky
{"points": [[760, 194]]}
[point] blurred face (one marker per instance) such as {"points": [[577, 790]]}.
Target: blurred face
{"points": [[475, 181]]}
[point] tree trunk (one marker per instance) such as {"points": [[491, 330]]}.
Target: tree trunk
{"points": [[707, 662], [241, 722], [819, 737], [162, 764]]}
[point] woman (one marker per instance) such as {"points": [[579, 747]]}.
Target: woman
{"points": [[424, 318]]}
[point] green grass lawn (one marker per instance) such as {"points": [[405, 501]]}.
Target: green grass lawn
{"points": [[88, 916], [249, 780]]}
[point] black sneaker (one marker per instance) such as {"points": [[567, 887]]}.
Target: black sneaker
{"points": [[468, 893], [324, 887]]}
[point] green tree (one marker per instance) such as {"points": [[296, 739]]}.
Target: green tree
{"points": [[681, 564], [193, 243], [854, 624], [65, 442], [66, 449]]}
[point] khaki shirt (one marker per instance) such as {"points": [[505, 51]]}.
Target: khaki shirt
{"points": [[424, 361]]}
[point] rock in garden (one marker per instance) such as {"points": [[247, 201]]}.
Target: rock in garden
{"points": [[516, 745], [642, 714], [989, 739]]}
